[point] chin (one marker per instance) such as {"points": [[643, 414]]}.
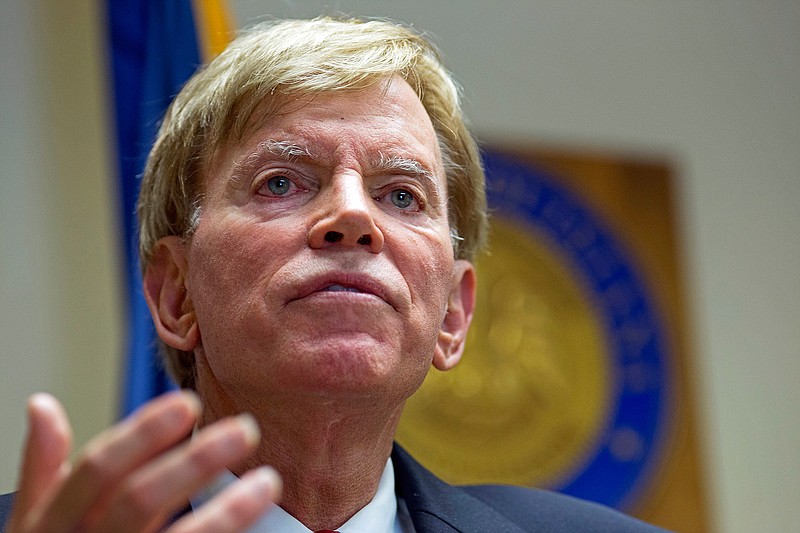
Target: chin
{"points": [[352, 364]]}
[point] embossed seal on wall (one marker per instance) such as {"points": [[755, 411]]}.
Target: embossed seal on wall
{"points": [[564, 382]]}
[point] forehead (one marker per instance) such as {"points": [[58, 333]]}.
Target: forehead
{"points": [[382, 121]]}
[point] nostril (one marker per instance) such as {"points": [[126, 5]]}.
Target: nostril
{"points": [[333, 236], [365, 239]]}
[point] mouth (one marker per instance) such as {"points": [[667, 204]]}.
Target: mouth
{"points": [[348, 286], [341, 288]]}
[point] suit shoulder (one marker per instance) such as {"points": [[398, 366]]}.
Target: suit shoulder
{"points": [[553, 512], [6, 501]]}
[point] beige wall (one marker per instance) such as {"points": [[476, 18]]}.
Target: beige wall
{"points": [[712, 85], [60, 313]]}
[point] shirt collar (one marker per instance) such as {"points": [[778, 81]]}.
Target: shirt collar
{"points": [[378, 516]]}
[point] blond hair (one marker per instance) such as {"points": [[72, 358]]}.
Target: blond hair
{"points": [[246, 84]]}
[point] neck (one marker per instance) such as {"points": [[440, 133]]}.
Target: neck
{"points": [[330, 453]]}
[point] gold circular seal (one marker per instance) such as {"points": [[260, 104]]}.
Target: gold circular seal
{"points": [[528, 400]]}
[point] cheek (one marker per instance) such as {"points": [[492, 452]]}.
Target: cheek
{"points": [[433, 266], [235, 249], [427, 266], [219, 263], [228, 265]]}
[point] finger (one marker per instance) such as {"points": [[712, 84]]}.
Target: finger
{"points": [[46, 450], [237, 507], [115, 453], [158, 489]]}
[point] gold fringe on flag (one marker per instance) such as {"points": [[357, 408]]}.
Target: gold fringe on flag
{"points": [[215, 26]]}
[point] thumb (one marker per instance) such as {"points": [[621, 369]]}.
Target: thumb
{"points": [[44, 461]]}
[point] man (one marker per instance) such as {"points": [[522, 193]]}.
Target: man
{"points": [[307, 219]]}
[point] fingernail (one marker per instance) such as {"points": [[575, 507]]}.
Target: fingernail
{"points": [[267, 479], [192, 399], [251, 430], [45, 414], [42, 400]]}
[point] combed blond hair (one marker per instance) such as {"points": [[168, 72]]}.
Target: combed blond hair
{"points": [[248, 82]]}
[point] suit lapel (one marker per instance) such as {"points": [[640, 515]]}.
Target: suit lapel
{"points": [[436, 507]]}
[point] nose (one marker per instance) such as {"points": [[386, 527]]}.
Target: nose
{"points": [[346, 217]]}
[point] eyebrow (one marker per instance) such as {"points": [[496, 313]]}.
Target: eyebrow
{"points": [[396, 163], [414, 169], [284, 150]]}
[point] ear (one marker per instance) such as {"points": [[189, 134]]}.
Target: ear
{"points": [[455, 325], [166, 295]]}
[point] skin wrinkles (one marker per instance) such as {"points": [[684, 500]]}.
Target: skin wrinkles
{"points": [[311, 154], [382, 174], [381, 171], [374, 131]]}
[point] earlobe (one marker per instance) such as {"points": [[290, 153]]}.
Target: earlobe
{"points": [[460, 305], [166, 295]]}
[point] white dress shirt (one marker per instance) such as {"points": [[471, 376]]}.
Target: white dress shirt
{"points": [[383, 514]]}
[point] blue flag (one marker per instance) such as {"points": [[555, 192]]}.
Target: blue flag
{"points": [[154, 50]]}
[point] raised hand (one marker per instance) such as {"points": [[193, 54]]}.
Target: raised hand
{"points": [[137, 474]]}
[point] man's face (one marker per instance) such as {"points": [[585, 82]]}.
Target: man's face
{"points": [[322, 261]]}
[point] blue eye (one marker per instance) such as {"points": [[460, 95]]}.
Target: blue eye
{"points": [[279, 185], [402, 198]]}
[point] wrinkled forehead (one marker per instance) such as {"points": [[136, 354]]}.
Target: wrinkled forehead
{"points": [[282, 107]]}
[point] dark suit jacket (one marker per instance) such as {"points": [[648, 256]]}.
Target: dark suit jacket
{"points": [[5, 509], [436, 507]]}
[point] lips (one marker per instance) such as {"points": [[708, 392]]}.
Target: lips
{"points": [[341, 288], [344, 282]]}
